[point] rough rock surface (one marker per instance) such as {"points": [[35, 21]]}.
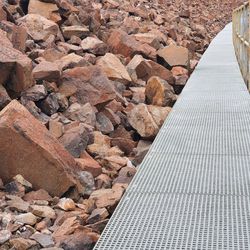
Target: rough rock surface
{"points": [[158, 92], [32, 152], [14, 66], [113, 68], [39, 27], [145, 119], [91, 84], [99, 77], [173, 55]]}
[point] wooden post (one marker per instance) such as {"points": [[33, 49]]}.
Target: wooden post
{"points": [[248, 45]]}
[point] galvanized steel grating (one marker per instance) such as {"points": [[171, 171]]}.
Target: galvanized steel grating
{"points": [[193, 174], [192, 190], [178, 221]]}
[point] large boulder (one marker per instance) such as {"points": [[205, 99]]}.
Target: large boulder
{"points": [[91, 84], [147, 119], [173, 55], [15, 67], [159, 92], [27, 148]]}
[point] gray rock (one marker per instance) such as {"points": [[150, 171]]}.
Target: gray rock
{"points": [[45, 240], [4, 97], [87, 180], [75, 140], [50, 105], [104, 124], [4, 236], [27, 218], [43, 211], [35, 93], [83, 113]]}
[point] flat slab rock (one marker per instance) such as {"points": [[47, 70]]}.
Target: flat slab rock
{"points": [[27, 148]]}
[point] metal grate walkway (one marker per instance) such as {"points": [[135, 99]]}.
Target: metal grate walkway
{"points": [[192, 190]]}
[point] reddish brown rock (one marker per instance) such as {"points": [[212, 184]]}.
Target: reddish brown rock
{"points": [[16, 34], [92, 85], [126, 145], [114, 162], [89, 164], [79, 31], [140, 151], [147, 119], [138, 94], [67, 8], [38, 27], [35, 153], [98, 215], [181, 76], [130, 25], [40, 194], [46, 71], [66, 204], [15, 66], [79, 240], [107, 197], [4, 97], [121, 43], [94, 45], [83, 113], [21, 243], [159, 92], [150, 38], [45, 9], [178, 71], [112, 116], [113, 68], [56, 128], [52, 54], [70, 61], [3, 15], [171, 56], [140, 68], [126, 175]]}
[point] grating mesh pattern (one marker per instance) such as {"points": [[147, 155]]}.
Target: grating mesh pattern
{"points": [[193, 174], [178, 221], [192, 190]]}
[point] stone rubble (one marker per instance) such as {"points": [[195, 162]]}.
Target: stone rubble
{"points": [[85, 87]]}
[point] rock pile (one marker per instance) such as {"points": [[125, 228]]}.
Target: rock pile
{"points": [[85, 87]]}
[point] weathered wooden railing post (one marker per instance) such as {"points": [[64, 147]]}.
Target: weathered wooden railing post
{"points": [[241, 38]]}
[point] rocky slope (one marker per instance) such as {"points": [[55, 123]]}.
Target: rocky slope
{"points": [[85, 87]]}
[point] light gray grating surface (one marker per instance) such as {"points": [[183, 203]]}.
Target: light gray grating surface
{"points": [[192, 189], [193, 174], [178, 221]]}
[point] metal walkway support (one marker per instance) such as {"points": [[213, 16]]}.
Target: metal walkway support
{"points": [[192, 190]]}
